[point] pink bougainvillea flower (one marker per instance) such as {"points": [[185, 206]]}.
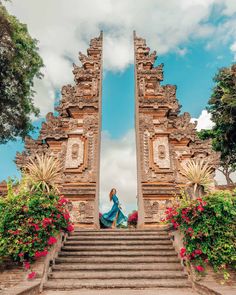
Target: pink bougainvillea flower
{"points": [[36, 227], [58, 216], [198, 251], [21, 254], [32, 275], [199, 199], [46, 221], [63, 201], [66, 216], [200, 208], [70, 228], [182, 252], [52, 240], [39, 254], [26, 264], [199, 268]]}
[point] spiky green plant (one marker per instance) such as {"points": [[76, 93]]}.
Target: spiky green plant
{"points": [[42, 172], [198, 173]]}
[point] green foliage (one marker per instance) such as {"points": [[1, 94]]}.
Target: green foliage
{"points": [[20, 63], [209, 230], [222, 107], [30, 222]]}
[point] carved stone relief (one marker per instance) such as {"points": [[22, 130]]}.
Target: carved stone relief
{"points": [[74, 153], [161, 156]]}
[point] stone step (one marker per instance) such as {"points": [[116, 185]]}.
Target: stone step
{"points": [[119, 259], [109, 230], [70, 284], [106, 243], [117, 266], [115, 233], [117, 247], [106, 253], [118, 237], [139, 274]]}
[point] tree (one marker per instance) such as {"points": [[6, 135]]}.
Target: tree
{"points": [[222, 107], [20, 63]]}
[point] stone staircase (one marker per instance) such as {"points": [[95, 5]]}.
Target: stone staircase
{"points": [[109, 259]]}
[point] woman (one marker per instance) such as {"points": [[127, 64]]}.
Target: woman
{"points": [[115, 216]]}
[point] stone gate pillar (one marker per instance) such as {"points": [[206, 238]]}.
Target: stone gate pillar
{"points": [[73, 136], [164, 139]]}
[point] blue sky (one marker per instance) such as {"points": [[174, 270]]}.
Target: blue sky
{"points": [[192, 38]]}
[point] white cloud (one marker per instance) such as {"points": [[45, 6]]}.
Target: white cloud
{"points": [[64, 27], [233, 49], [118, 170], [203, 121]]}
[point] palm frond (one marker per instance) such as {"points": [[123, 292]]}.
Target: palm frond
{"points": [[198, 172], [43, 171]]}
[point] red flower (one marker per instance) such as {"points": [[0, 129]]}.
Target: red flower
{"points": [[39, 254], [21, 254], [58, 216], [27, 265], [199, 268], [36, 227], [70, 228], [200, 208], [199, 199], [52, 240], [182, 252], [66, 216], [133, 217], [32, 275], [62, 201], [198, 251], [46, 221]]}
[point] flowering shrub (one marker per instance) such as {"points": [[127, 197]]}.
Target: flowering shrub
{"points": [[208, 226], [133, 218], [29, 225]]}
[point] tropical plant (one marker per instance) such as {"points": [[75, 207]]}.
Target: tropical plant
{"points": [[30, 224], [20, 64], [133, 218], [199, 175], [222, 107], [43, 171], [209, 230]]}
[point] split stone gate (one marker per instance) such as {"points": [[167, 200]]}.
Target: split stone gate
{"points": [[164, 139]]}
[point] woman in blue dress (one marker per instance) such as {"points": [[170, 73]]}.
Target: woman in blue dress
{"points": [[115, 216]]}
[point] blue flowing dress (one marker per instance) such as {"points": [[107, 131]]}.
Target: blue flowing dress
{"points": [[108, 218]]}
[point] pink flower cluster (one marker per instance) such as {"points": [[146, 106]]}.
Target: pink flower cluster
{"points": [[39, 254], [52, 240], [133, 218]]}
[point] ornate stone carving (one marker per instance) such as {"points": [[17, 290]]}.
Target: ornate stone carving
{"points": [[74, 136], [52, 128], [183, 122], [75, 153], [161, 155], [166, 139]]}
